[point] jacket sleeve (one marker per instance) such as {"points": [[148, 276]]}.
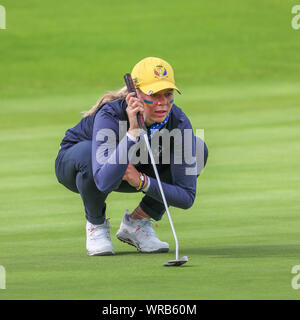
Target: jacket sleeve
{"points": [[109, 155], [182, 192]]}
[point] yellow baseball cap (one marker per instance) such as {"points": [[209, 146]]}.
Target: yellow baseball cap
{"points": [[152, 75]]}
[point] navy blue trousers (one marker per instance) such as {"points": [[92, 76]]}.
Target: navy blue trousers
{"points": [[73, 168]]}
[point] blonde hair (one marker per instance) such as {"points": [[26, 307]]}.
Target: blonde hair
{"points": [[109, 96]]}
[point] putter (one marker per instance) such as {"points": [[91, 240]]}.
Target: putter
{"points": [[178, 261]]}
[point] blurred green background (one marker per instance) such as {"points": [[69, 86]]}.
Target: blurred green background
{"points": [[237, 64]]}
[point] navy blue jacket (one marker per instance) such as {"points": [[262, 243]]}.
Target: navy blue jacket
{"points": [[110, 167]]}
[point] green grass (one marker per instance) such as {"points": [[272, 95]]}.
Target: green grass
{"points": [[237, 65]]}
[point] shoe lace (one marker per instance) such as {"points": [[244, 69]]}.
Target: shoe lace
{"points": [[147, 226]]}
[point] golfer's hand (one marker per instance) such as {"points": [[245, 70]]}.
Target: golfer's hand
{"points": [[134, 105], [132, 176]]}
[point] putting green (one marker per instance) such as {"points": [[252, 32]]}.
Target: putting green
{"points": [[238, 68]]}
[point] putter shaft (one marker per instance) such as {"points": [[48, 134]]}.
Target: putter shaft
{"points": [[161, 191]]}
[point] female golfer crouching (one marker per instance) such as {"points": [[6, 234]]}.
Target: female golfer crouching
{"points": [[95, 158]]}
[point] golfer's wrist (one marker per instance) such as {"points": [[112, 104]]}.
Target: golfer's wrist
{"points": [[143, 183], [147, 185]]}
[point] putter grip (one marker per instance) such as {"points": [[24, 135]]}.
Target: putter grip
{"points": [[131, 89]]}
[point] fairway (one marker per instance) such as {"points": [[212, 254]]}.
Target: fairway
{"points": [[239, 74]]}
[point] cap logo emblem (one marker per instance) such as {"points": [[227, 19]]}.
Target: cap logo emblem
{"points": [[160, 72]]}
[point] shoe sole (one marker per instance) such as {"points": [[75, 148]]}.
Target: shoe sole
{"points": [[108, 253], [128, 241]]}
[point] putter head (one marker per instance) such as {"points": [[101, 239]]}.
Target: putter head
{"points": [[176, 263]]}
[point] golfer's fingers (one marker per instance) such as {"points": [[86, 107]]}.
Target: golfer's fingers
{"points": [[130, 97], [130, 165], [131, 94], [133, 102], [125, 177], [130, 168], [135, 107]]}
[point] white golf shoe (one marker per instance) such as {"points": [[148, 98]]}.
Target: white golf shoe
{"points": [[98, 241], [139, 233]]}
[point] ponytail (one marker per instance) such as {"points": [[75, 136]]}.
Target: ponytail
{"points": [[109, 96]]}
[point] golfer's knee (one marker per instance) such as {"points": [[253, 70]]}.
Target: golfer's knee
{"points": [[85, 180], [84, 154]]}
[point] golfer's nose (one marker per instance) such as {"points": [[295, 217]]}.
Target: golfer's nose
{"points": [[162, 99]]}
